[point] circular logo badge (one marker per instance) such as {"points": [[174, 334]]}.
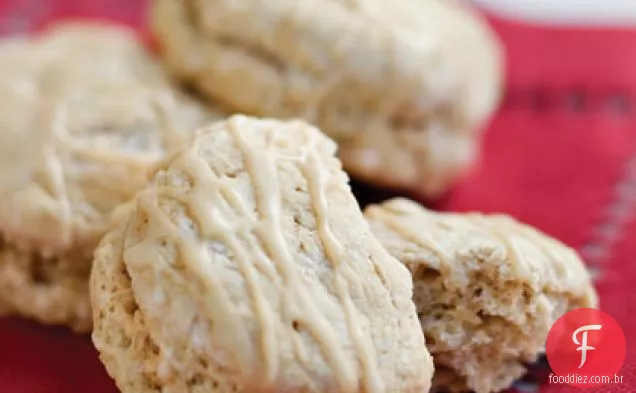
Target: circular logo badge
{"points": [[585, 348]]}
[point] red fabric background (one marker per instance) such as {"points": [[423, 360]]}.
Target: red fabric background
{"points": [[557, 156]]}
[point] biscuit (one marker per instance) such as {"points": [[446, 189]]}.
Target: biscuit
{"points": [[487, 288], [247, 266], [96, 111], [51, 291], [86, 112], [402, 86]]}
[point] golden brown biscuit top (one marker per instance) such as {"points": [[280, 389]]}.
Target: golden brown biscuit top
{"points": [[88, 111]]}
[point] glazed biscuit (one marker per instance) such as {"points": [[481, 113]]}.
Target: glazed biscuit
{"points": [[247, 266], [402, 86], [487, 289], [88, 111], [97, 111]]}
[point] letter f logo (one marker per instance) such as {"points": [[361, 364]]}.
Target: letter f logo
{"points": [[584, 347]]}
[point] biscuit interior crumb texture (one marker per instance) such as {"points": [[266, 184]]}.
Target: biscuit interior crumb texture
{"points": [[86, 110], [487, 289], [403, 86], [247, 266]]}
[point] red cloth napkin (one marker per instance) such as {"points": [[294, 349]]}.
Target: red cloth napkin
{"points": [[560, 155]]}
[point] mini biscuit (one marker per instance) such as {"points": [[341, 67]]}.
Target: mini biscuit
{"points": [[247, 266], [87, 112], [487, 289], [403, 86]]}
